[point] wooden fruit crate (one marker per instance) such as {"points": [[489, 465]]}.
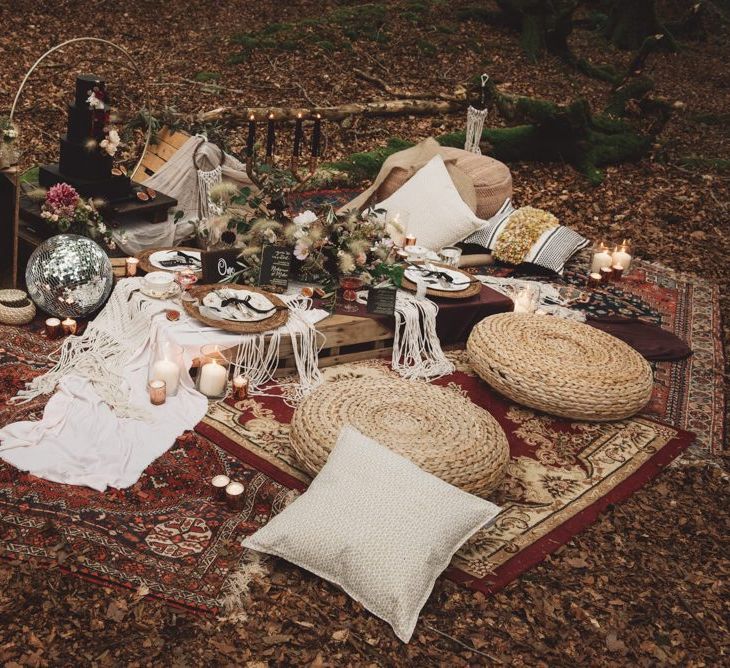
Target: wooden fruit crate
{"points": [[162, 147], [347, 339]]}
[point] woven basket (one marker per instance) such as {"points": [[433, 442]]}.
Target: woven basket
{"points": [[561, 367], [436, 428], [492, 180], [15, 308]]}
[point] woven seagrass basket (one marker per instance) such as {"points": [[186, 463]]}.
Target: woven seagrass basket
{"points": [[436, 428], [561, 367], [16, 308]]}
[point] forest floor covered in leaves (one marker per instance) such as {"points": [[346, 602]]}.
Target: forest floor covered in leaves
{"points": [[646, 584]]}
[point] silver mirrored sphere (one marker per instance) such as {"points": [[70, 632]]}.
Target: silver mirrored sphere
{"points": [[68, 275]]}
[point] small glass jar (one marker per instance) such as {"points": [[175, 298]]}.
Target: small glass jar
{"points": [[450, 255], [213, 373], [622, 256], [166, 363], [601, 258], [526, 297]]}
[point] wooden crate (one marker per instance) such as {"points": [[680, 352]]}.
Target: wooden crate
{"points": [[347, 339], [162, 147]]}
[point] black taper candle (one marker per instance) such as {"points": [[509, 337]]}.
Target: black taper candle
{"points": [[251, 139], [316, 136], [298, 136], [270, 137]]}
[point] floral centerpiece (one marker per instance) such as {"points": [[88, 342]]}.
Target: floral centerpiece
{"points": [[65, 211]]}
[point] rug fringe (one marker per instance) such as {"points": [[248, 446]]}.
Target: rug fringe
{"points": [[237, 586]]}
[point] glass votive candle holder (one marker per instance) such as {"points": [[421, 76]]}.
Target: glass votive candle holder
{"points": [[69, 327], [594, 280], [622, 256], [409, 240], [157, 392], [53, 328], [166, 363], [130, 265], [605, 273], [601, 258], [234, 496], [213, 373], [219, 483], [240, 388], [450, 255]]}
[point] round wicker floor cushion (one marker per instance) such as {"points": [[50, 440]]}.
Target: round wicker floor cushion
{"points": [[436, 428], [561, 367], [492, 179]]}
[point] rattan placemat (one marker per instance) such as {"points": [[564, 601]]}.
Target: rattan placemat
{"points": [[280, 316], [146, 266], [470, 291]]}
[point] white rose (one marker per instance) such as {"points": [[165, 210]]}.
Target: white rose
{"points": [[102, 228], [54, 217], [305, 218]]}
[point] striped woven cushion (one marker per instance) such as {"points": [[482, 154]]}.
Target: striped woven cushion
{"points": [[551, 251]]}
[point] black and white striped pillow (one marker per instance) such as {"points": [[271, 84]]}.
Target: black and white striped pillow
{"points": [[551, 251]]}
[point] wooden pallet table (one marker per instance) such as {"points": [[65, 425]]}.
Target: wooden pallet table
{"points": [[348, 338]]}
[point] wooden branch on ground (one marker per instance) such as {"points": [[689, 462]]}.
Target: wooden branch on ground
{"points": [[459, 95], [240, 115]]}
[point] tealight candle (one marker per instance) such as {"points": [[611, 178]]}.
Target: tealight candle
{"points": [[240, 388], [157, 392], [234, 496], [53, 328], [605, 273], [594, 280], [131, 266], [601, 258], [621, 256], [220, 482], [616, 272], [69, 326], [410, 240]]}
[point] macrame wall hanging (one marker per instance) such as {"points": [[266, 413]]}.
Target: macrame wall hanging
{"points": [[475, 122], [207, 180]]}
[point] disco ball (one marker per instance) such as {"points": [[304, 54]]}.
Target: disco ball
{"points": [[68, 275]]}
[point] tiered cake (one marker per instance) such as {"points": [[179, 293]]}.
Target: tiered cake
{"points": [[83, 162]]}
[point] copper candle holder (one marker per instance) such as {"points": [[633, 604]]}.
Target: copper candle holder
{"points": [[617, 272], [410, 240], [234, 496], [240, 388], [594, 280], [130, 266], [53, 328], [605, 274], [158, 392], [220, 482], [69, 327]]}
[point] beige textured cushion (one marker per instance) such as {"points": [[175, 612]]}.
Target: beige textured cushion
{"points": [[375, 524], [437, 214], [492, 179]]}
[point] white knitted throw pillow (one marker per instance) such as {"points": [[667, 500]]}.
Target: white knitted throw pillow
{"points": [[437, 215], [378, 526]]}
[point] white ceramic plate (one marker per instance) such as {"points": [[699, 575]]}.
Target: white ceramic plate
{"points": [[211, 306], [156, 258], [460, 283]]}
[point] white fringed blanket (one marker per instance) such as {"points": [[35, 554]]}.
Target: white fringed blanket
{"points": [[99, 428]]}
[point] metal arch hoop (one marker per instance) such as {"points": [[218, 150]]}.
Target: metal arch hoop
{"points": [[131, 60]]}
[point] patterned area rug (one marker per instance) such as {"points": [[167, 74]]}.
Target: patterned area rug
{"points": [[165, 533], [562, 474]]}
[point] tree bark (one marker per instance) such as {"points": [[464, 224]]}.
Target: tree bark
{"points": [[630, 22]]}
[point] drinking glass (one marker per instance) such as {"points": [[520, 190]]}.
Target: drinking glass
{"points": [[186, 278], [450, 255], [350, 284]]}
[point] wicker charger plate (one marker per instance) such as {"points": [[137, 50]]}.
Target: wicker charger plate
{"points": [[470, 290], [274, 322], [435, 427], [146, 266], [561, 367]]}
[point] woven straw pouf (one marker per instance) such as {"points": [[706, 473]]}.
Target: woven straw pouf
{"points": [[562, 367], [16, 308], [436, 428]]}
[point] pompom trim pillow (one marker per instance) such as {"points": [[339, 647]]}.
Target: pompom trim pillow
{"points": [[528, 236], [437, 216], [378, 526]]}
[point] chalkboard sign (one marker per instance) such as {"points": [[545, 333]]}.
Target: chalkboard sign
{"points": [[381, 301], [219, 264], [275, 265]]}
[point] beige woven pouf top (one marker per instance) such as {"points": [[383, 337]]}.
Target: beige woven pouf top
{"points": [[16, 308], [562, 367], [436, 428]]}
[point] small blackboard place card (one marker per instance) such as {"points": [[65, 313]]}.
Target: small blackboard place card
{"points": [[219, 264], [381, 301], [275, 266]]}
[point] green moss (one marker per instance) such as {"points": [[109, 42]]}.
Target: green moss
{"points": [[207, 76], [366, 165], [30, 175], [702, 163]]}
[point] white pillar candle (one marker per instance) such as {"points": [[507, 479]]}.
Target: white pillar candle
{"points": [[213, 378], [601, 258], [621, 258], [169, 372]]}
